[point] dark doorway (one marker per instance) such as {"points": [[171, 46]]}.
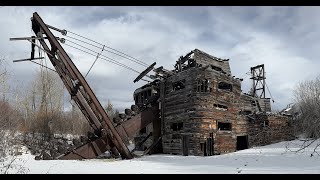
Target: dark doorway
{"points": [[185, 143], [209, 147], [242, 142], [203, 147]]}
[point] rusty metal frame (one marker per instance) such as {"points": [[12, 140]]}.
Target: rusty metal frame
{"points": [[258, 81], [78, 87]]}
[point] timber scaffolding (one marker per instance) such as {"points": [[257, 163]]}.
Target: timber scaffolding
{"points": [[204, 112]]}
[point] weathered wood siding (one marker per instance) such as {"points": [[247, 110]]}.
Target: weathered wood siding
{"points": [[199, 111], [206, 59]]}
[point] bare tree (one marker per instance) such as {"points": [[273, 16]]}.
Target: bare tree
{"points": [[109, 109], [44, 102], [307, 115], [10, 124], [307, 97], [44, 107]]}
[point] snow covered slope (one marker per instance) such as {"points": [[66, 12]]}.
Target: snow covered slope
{"points": [[275, 158]]}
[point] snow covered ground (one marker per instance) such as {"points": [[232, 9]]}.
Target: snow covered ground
{"points": [[275, 158]]}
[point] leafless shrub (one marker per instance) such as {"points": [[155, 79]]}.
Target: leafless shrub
{"points": [[307, 117], [10, 139]]}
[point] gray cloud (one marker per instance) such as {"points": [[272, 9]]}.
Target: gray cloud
{"points": [[283, 38]]}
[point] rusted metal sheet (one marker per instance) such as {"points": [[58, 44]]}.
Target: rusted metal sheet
{"points": [[88, 151], [130, 127], [145, 72]]}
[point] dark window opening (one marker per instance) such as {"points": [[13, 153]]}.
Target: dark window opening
{"points": [[288, 124], [143, 130], [253, 103], [203, 86], [265, 124], [245, 112], [216, 68], [177, 126], [225, 86], [220, 107], [135, 99], [192, 63], [190, 110], [141, 98], [224, 126], [176, 136], [178, 85]]}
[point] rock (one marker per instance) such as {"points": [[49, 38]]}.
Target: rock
{"points": [[83, 139], [46, 144], [37, 157], [62, 149], [53, 153], [128, 112], [46, 156], [135, 108], [116, 120], [33, 150], [91, 135], [76, 142], [122, 115], [37, 151]]}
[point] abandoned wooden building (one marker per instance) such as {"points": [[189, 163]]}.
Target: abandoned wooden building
{"points": [[204, 112]]}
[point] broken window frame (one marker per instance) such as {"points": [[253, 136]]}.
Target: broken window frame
{"points": [[176, 126], [178, 85], [220, 87], [245, 112], [216, 68], [219, 124], [220, 107], [203, 85], [265, 124]]}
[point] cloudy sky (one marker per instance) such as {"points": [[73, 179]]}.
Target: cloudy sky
{"points": [[285, 39]]}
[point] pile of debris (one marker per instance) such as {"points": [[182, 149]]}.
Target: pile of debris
{"points": [[52, 147]]}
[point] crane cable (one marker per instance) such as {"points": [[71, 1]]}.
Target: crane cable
{"points": [[269, 92], [106, 58], [124, 54], [104, 46], [94, 61]]}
